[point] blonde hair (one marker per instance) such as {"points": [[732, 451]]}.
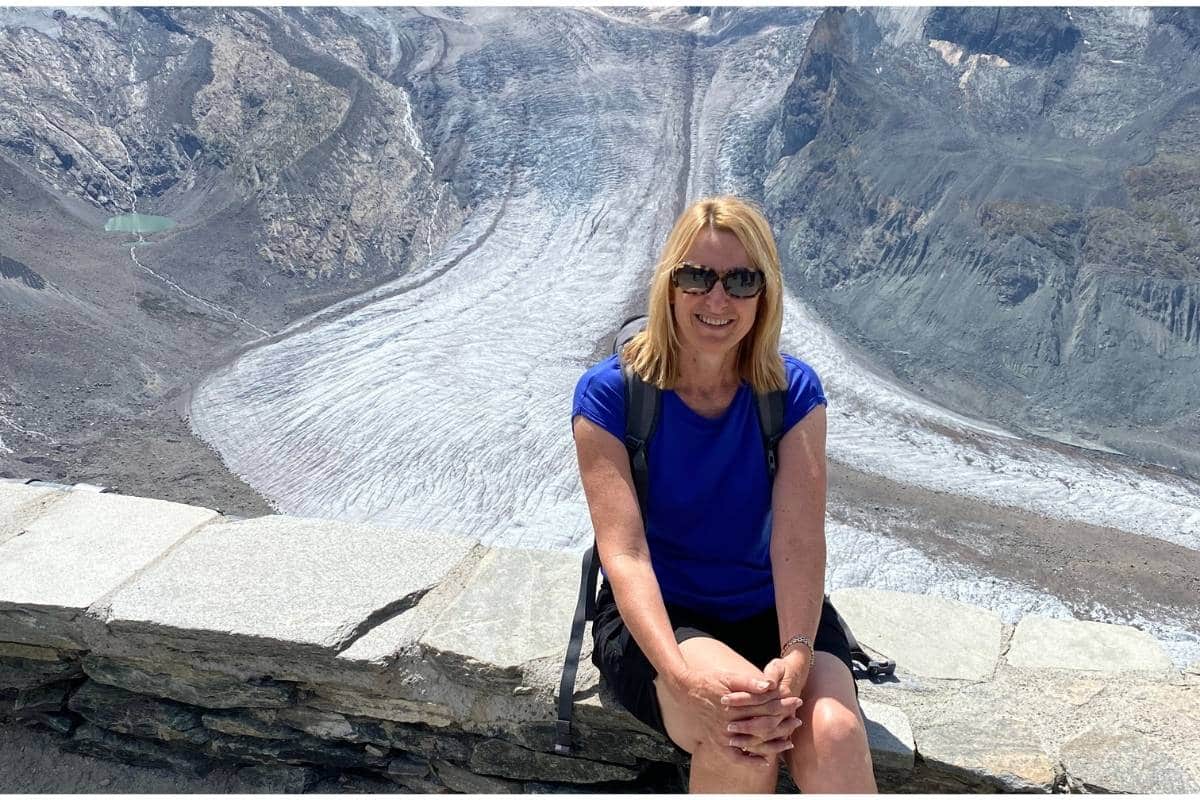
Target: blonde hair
{"points": [[654, 353]]}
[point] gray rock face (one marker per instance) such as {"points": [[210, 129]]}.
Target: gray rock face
{"points": [[91, 740], [291, 153], [246, 724], [996, 209], [196, 687], [1020, 36], [465, 781], [41, 667], [138, 715]]}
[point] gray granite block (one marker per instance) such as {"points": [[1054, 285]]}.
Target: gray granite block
{"points": [[890, 737], [283, 585], [506, 617], [20, 505], [1101, 759], [983, 749], [928, 636], [80, 549], [1046, 643]]}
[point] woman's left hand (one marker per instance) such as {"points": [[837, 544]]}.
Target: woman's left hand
{"points": [[766, 728]]}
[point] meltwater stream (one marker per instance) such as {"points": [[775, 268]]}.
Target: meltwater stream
{"points": [[445, 403]]}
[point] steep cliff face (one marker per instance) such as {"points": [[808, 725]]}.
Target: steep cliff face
{"points": [[1002, 206]]}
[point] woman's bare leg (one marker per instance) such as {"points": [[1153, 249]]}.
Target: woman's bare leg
{"points": [[713, 768], [831, 754]]}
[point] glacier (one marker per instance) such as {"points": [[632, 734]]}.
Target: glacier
{"points": [[441, 400]]}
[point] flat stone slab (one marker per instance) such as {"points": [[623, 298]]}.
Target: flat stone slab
{"points": [[282, 582], [928, 636], [1101, 759], [984, 748], [890, 737], [19, 504], [506, 615], [79, 549], [1046, 643]]}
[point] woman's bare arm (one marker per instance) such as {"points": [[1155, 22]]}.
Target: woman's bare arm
{"points": [[798, 538], [621, 544]]}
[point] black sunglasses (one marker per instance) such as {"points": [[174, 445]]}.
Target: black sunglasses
{"points": [[740, 282]]}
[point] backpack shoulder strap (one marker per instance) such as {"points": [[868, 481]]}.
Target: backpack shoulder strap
{"points": [[585, 609], [770, 423], [642, 401]]}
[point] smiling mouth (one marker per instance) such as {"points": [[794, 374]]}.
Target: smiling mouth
{"points": [[713, 322]]}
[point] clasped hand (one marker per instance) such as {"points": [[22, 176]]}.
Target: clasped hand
{"points": [[751, 716]]}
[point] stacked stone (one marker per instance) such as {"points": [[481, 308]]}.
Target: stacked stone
{"points": [[35, 683], [311, 651], [299, 648]]}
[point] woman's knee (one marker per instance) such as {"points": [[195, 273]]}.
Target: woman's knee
{"points": [[830, 711], [833, 725]]}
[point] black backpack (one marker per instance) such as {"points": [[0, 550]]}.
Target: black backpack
{"points": [[642, 402]]}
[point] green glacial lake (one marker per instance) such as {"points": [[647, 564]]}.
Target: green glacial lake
{"points": [[138, 223]]}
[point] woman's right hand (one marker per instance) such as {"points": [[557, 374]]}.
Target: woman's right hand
{"points": [[707, 692]]}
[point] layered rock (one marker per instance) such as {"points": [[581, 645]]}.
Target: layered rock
{"points": [[1001, 207], [308, 652]]}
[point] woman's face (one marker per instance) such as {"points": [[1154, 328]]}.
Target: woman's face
{"points": [[714, 322]]}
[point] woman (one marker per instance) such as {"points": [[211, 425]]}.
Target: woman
{"points": [[711, 625]]}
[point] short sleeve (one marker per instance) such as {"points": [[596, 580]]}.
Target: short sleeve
{"points": [[804, 391], [600, 397]]}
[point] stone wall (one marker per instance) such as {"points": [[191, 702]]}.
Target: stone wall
{"points": [[305, 650]]}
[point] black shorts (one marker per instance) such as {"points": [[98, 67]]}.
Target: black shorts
{"points": [[631, 676]]}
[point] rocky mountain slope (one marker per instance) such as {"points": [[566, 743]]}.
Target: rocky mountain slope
{"points": [[998, 206], [1003, 207], [286, 148]]}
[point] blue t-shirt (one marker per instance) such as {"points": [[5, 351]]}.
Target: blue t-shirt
{"points": [[708, 525]]}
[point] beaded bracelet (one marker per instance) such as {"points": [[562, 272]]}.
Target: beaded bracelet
{"points": [[799, 638]]}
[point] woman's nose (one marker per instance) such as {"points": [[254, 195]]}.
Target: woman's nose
{"points": [[717, 297]]}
